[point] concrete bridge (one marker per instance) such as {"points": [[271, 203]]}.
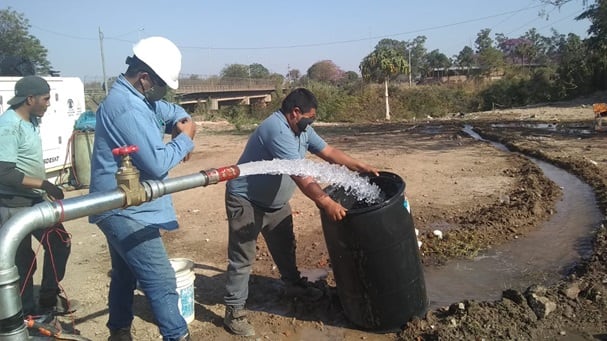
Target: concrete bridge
{"points": [[216, 93]]}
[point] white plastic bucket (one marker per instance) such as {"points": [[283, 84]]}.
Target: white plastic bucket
{"points": [[184, 274]]}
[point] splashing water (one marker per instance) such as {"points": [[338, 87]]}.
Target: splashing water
{"points": [[338, 175]]}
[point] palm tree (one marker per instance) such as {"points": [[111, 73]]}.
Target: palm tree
{"points": [[381, 65]]}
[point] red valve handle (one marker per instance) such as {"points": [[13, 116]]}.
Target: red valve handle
{"points": [[126, 150]]}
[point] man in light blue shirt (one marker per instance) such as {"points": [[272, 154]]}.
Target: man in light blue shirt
{"points": [[260, 203], [134, 113], [23, 184]]}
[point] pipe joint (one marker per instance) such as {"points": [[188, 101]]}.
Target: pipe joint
{"points": [[215, 175]]}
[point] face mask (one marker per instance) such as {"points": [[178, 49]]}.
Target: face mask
{"points": [[303, 124], [154, 93]]}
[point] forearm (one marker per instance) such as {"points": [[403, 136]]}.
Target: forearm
{"points": [[10, 176], [312, 190], [29, 182], [336, 156]]}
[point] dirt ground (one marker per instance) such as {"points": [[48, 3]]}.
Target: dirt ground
{"points": [[450, 178]]}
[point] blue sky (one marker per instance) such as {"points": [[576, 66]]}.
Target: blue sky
{"points": [[277, 34]]}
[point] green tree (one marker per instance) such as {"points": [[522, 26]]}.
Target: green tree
{"points": [[597, 41], [465, 59], [574, 71], [418, 54], [483, 40], [257, 70], [597, 14], [489, 58], [16, 40], [413, 50], [235, 71], [381, 65], [438, 62], [293, 75], [325, 71]]}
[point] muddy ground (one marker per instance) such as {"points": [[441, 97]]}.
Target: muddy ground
{"points": [[452, 180]]}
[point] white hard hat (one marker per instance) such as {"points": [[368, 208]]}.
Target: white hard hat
{"points": [[162, 56]]}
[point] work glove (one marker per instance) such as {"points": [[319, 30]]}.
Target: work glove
{"points": [[53, 191]]}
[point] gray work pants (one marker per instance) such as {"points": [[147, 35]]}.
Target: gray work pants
{"points": [[245, 221]]}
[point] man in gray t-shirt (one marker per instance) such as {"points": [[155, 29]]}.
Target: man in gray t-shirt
{"points": [[260, 203]]}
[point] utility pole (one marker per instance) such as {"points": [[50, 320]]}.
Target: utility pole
{"points": [[102, 60], [409, 66]]}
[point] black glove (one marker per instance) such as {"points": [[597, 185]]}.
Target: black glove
{"points": [[53, 191]]}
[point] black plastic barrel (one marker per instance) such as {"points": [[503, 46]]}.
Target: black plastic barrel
{"points": [[375, 258]]}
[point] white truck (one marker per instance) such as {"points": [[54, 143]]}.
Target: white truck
{"points": [[57, 125]]}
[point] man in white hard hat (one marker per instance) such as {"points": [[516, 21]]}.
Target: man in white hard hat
{"points": [[134, 113]]}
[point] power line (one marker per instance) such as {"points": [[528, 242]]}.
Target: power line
{"points": [[87, 38], [570, 16], [529, 22], [339, 42]]}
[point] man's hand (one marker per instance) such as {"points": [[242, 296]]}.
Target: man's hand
{"points": [[186, 126], [334, 210], [54, 192]]}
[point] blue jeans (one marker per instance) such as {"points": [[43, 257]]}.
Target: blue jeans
{"points": [[138, 254], [57, 246]]}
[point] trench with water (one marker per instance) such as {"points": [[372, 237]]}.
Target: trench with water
{"points": [[543, 256]]}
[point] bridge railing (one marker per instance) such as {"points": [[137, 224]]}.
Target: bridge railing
{"points": [[224, 84]]}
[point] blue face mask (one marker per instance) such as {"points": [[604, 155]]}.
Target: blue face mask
{"points": [[303, 123]]}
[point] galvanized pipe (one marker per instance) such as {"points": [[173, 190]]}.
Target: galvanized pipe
{"points": [[47, 214]]}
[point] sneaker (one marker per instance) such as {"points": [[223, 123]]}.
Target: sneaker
{"points": [[122, 334], [236, 321], [304, 290], [60, 306]]}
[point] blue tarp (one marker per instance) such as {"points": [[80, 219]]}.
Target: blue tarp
{"points": [[86, 121]]}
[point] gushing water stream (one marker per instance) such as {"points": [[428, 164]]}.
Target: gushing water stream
{"points": [[353, 183]]}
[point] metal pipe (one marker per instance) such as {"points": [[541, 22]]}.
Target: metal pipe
{"points": [[47, 214]]}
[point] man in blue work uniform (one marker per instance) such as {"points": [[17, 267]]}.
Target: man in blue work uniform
{"points": [[134, 113], [260, 203], [22, 184]]}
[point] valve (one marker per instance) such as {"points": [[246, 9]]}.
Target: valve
{"points": [[127, 176]]}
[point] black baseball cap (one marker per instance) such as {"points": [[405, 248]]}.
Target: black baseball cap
{"points": [[29, 86]]}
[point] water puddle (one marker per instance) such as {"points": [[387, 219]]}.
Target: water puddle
{"points": [[550, 127], [543, 256]]}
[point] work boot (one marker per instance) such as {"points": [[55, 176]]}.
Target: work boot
{"points": [[58, 305], [236, 321], [122, 334], [304, 290]]}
